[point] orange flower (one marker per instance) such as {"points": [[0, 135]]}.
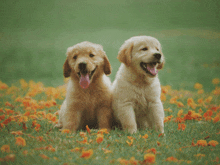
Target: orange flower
{"points": [[199, 155], [215, 81], [20, 141], [201, 143], [180, 104], [209, 99], [207, 115], [104, 130], [75, 149], [173, 100], [88, 130], [145, 136], [131, 140], [152, 150], [216, 91], [3, 85], [181, 127], [65, 131], [16, 133], [191, 103], [172, 159], [87, 154], [99, 138], [8, 120], [213, 143], [82, 134], [180, 113], [158, 143], [163, 97], [5, 148], [8, 104], [44, 156], [201, 91], [198, 86], [168, 118], [216, 119], [84, 141], [40, 138], [106, 151], [149, 158], [10, 157]]}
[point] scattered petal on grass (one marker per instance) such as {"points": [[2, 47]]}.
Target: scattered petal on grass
{"points": [[106, 151], [202, 143], [153, 150], [181, 127], [198, 86], [145, 136], [10, 157], [99, 138], [87, 154], [131, 140], [75, 149], [102, 131], [172, 159], [149, 158], [215, 81], [199, 155], [20, 141], [88, 129], [5, 148], [212, 143], [65, 131], [44, 156]]}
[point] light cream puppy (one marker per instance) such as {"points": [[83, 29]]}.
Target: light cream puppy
{"points": [[136, 89], [89, 94]]}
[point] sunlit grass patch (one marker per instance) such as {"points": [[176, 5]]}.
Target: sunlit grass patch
{"points": [[29, 110]]}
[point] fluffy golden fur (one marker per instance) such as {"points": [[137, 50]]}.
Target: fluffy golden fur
{"points": [[88, 103], [136, 89]]}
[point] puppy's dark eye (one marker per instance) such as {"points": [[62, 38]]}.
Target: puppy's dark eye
{"points": [[91, 55], [157, 49], [75, 57], [144, 49]]}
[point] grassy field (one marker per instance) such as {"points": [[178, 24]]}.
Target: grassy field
{"points": [[34, 36], [29, 111]]}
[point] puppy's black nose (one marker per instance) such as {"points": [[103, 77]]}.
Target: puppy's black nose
{"points": [[157, 55], [82, 65]]}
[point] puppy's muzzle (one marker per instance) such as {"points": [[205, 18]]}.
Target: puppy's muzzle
{"points": [[82, 67]]}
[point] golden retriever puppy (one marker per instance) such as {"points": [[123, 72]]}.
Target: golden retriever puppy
{"points": [[136, 89], [89, 96]]}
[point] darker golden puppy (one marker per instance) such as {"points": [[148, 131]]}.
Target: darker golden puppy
{"points": [[89, 95]]}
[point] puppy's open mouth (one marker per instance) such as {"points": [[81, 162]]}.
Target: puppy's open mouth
{"points": [[150, 68], [85, 78]]}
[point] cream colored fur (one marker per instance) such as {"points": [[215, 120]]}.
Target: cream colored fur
{"points": [[136, 94]]}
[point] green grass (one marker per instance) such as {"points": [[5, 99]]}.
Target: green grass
{"points": [[34, 36], [176, 143]]}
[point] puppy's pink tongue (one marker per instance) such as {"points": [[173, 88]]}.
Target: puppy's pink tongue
{"points": [[84, 81], [152, 70]]}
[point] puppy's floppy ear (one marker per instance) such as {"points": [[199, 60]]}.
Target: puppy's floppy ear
{"points": [[66, 69], [124, 54], [107, 66], [66, 66]]}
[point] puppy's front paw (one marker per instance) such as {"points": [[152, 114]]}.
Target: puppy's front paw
{"points": [[58, 125], [131, 131]]}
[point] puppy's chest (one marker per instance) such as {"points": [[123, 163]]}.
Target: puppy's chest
{"points": [[144, 96]]}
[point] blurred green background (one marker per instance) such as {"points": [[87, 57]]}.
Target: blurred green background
{"points": [[34, 36]]}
